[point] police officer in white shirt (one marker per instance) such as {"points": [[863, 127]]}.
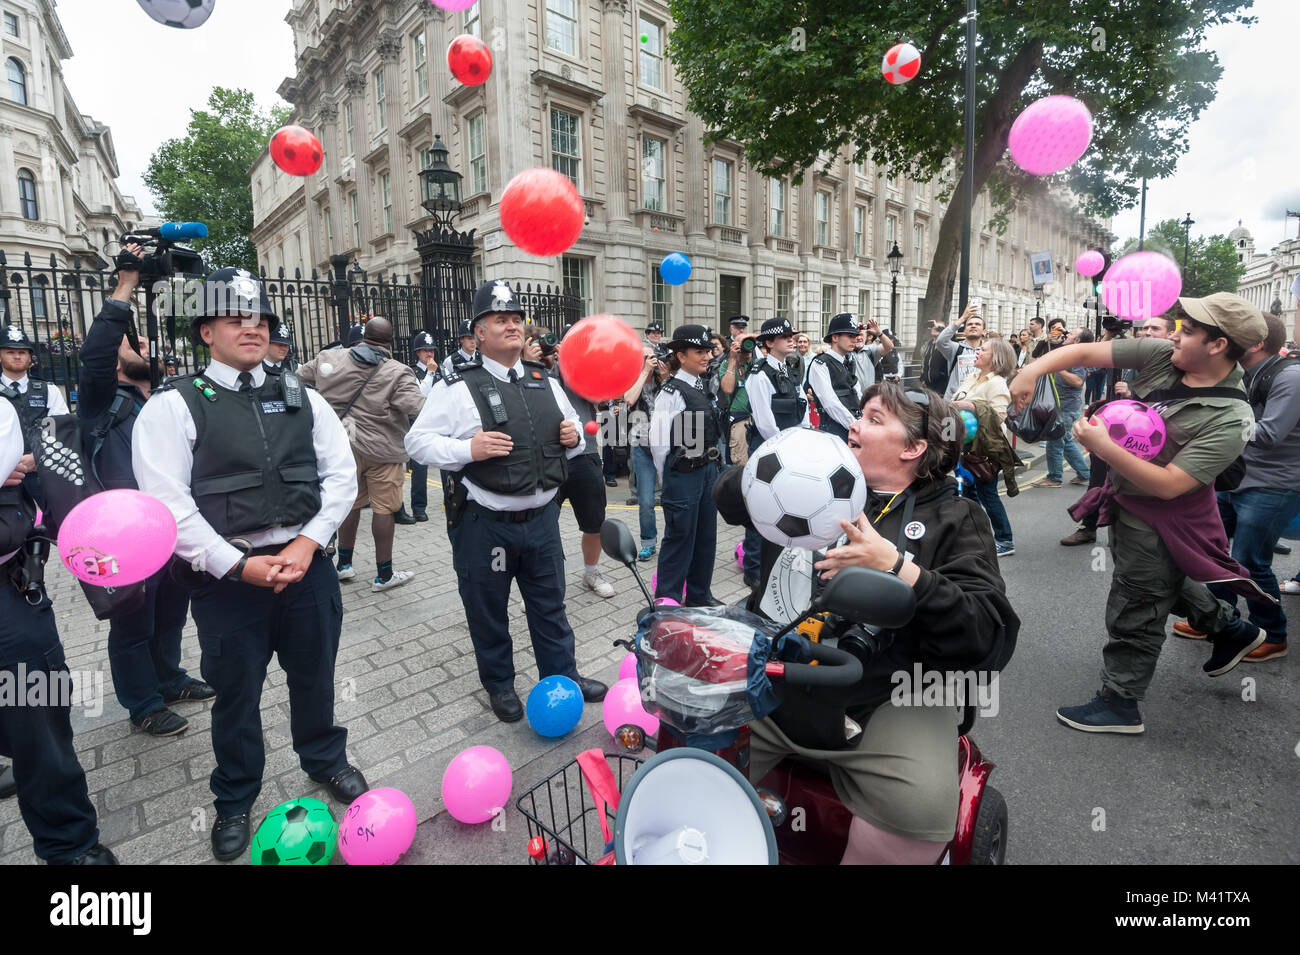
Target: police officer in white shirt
{"points": [[258, 473], [833, 378], [505, 428], [468, 348], [684, 433], [776, 400]]}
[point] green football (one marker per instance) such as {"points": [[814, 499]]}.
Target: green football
{"points": [[298, 832]]}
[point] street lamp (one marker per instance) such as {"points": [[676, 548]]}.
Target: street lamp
{"points": [[1038, 305], [1187, 234], [440, 186], [895, 270]]}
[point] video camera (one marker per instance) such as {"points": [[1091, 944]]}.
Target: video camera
{"points": [[164, 258], [1115, 325], [662, 352]]}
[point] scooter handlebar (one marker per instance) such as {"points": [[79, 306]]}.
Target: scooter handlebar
{"points": [[838, 668]]}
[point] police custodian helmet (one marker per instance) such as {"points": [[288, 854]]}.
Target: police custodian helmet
{"points": [[421, 340], [231, 291], [15, 337], [496, 296]]}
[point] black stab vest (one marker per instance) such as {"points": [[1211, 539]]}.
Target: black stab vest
{"points": [[537, 461], [788, 403], [843, 382], [254, 460], [699, 405], [32, 407]]}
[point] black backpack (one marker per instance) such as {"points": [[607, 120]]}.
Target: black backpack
{"points": [[1232, 475], [66, 458]]}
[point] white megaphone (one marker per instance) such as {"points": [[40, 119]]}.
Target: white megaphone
{"points": [[689, 807]]}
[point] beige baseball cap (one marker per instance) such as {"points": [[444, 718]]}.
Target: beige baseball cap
{"points": [[1240, 321]]}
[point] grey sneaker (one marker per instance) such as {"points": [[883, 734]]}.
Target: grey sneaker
{"points": [[597, 583], [1107, 713], [346, 572], [399, 577]]}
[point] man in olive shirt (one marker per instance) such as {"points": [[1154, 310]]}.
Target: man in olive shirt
{"points": [[1205, 434]]}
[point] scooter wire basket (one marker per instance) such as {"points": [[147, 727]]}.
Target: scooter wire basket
{"points": [[560, 810]]}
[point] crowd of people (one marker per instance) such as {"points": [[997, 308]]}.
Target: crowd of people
{"points": [[267, 463]]}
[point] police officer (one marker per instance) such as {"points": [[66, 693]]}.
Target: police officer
{"points": [[278, 352], [468, 347], [506, 429], [684, 435], [37, 735], [32, 398], [258, 472], [776, 400], [426, 373], [833, 377]]}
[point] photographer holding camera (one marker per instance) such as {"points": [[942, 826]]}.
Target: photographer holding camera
{"points": [[732, 398], [961, 355], [641, 398]]}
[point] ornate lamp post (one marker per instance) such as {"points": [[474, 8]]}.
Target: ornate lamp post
{"points": [[446, 255], [895, 270]]}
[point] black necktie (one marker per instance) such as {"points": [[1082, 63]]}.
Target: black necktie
{"points": [[848, 365], [12, 390], [699, 385], [514, 376], [245, 381]]}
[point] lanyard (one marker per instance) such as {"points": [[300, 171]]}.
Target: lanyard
{"points": [[909, 504]]}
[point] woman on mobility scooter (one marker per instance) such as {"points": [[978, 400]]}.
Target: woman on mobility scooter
{"points": [[891, 764]]}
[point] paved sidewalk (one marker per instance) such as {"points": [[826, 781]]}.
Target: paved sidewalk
{"points": [[407, 691]]}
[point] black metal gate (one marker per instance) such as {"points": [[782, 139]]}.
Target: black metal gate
{"points": [[54, 306]]}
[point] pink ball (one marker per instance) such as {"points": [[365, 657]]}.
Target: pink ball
{"points": [[740, 555], [1135, 427], [1141, 284], [1090, 263], [1050, 135], [654, 585], [476, 785], [117, 537], [627, 669], [453, 4], [377, 828], [623, 706]]}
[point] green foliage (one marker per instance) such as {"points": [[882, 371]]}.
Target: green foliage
{"points": [[1212, 264], [790, 80], [203, 176]]}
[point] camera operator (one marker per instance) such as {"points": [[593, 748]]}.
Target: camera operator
{"points": [[640, 399], [732, 398], [144, 645]]}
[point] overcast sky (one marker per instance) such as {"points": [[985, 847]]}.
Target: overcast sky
{"points": [[142, 78]]}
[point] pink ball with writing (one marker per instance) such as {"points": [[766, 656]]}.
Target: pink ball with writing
{"points": [[377, 828], [115, 538], [1050, 135], [1134, 426]]}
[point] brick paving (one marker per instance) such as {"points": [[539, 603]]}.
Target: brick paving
{"points": [[406, 689]]}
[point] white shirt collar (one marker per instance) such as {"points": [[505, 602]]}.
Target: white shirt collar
{"points": [[21, 382], [468, 355], [502, 372], [686, 376], [228, 377], [776, 363]]}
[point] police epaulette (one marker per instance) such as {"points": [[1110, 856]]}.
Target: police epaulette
{"points": [[452, 376], [535, 364], [671, 386]]}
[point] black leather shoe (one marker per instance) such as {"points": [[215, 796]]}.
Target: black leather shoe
{"points": [[401, 517], [346, 785], [709, 601], [8, 785], [163, 723], [421, 516], [593, 691], [230, 837], [195, 691], [506, 706], [98, 854], [1280, 548], [751, 581]]}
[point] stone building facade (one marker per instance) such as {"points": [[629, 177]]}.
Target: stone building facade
{"points": [[1269, 277], [584, 86], [58, 168]]}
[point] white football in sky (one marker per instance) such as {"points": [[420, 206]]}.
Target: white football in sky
{"points": [[181, 14]]}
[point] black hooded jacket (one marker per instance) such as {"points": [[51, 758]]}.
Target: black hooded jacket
{"points": [[963, 619]]}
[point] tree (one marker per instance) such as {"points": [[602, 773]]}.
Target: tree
{"points": [[1212, 264], [203, 176], [791, 80]]}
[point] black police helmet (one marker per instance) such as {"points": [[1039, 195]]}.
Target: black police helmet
{"points": [[421, 340], [15, 337], [496, 296], [232, 291]]}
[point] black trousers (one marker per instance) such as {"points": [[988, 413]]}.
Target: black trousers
{"points": [[419, 487], [240, 627], [52, 794], [487, 555], [144, 648]]}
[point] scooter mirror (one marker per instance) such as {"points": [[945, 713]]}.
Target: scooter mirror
{"points": [[617, 543], [869, 596]]}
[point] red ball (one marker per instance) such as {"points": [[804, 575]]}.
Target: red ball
{"points": [[591, 427], [296, 150], [469, 60], [601, 358], [542, 212]]}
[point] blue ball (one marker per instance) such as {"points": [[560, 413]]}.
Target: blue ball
{"points": [[972, 425], [675, 268], [554, 706]]}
